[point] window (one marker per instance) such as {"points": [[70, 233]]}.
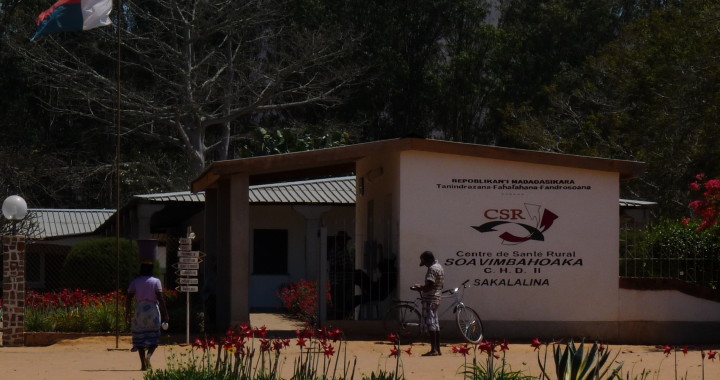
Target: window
{"points": [[270, 254]]}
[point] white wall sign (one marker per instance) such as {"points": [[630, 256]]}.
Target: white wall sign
{"points": [[533, 239]]}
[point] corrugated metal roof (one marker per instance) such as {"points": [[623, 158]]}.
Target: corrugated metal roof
{"points": [[65, 222], [180, 196], [339, 190], [634, 203]]}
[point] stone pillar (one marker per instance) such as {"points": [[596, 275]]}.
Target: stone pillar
{"points": [[13, 256]]}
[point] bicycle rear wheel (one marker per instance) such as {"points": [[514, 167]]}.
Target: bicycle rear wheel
{"points": [[469, 323], [403, 320]]}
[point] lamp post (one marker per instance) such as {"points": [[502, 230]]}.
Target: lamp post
{"points": [[14, 209]]}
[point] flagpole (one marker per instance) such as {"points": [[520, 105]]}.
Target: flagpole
{"points": [[117, 178]]}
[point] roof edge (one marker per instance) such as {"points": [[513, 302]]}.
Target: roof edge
{"points": [[336, 157]]}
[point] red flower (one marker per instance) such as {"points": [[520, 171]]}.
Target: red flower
{"points": [[463, 350], [409, 350], [264, 345], [334, 335], [712, 185], [261, 332], [301, 342], [486, 346], [504, 345], [535, 344], [328, 350], [394, 352], [393, 338], [246, 331], [277, 345], [685, 350], [666, 350], [711, 354]]}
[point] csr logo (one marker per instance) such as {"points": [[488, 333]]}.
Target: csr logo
{"points": [[515, 226], [504, 214]]}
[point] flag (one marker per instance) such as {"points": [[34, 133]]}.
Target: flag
{"points": [[70, 15]]}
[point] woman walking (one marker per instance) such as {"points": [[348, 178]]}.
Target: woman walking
{"points": [[150, 312]]}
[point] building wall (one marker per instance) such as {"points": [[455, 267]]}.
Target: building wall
{"points": [[568, 272], [377, 210], [264, 288]]}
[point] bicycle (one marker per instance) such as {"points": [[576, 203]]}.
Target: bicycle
{"points": [[403, 318]]}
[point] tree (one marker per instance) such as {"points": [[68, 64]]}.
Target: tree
{"points": [[27, 227], [650, 95], [429, 67], [195, 76]]}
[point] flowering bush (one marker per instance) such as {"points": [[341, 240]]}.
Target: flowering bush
{"points": [[301, 300], [488, 369], [248, 353], [73, 311], [707, 207]]}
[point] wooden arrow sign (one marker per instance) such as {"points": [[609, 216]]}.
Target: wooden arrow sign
{"points": [[186, 281], [186, 272], [189, 254], [187, 289]]}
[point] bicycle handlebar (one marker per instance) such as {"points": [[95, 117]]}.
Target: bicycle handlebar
{"points": [[452, 290]]}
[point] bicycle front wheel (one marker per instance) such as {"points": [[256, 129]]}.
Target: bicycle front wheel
{"points": [[469, 323], [403, 320]]}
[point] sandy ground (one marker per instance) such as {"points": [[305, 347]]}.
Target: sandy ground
{"points": [[98, 358]]}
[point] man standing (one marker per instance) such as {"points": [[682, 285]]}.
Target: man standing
{"points": [[430, 294]]}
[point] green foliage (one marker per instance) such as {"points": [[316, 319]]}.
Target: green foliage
{"points": [[76, 311], [654, 84], [426, 67], [573, 363], [187, 374], [382, 375], [264, 142], [91, 265], [671, 249], [480, 370], [643, 375]]}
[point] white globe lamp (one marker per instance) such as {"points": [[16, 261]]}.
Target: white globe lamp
{"points": [[14, 208]]}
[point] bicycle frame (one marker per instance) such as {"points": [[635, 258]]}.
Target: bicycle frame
{"points": [[405, 317], [456, 294]]}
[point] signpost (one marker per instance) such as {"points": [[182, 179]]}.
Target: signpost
{"points": [[187, 268]]}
